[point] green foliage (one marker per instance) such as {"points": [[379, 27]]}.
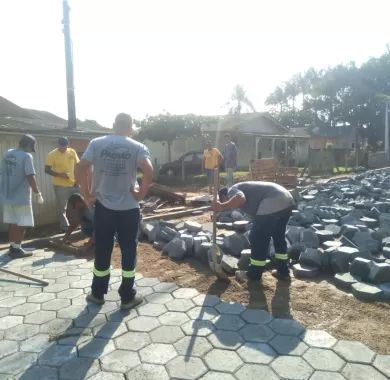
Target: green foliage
{"points": [[337, 96], [239, 99]]}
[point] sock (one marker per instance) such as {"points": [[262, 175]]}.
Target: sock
{"points": [[17, 246]]}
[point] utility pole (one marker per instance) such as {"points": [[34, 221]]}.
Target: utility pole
{"points": [[387, 153], [69, 68]]}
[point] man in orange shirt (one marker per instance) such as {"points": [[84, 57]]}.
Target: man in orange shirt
{"points": [[212, 158]]}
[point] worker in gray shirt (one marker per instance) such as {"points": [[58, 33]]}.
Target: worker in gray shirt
{"points": [[107, 174], [270, 205]]}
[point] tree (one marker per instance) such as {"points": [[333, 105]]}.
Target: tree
{"points": [[238, 99], [168, 128]]}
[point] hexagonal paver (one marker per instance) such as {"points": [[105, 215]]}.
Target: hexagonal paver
{"points": [[382, 362], [318, 338], [72, 312], [40, 317], [17, 363], [144, 291], [287, 327], [166, 334], [4, 311], [228, 322], [228, 340], [324, 375], [79, 368], [21, 332], [56, 288], [147, 281], [165, 287], [160, 298], [179, 305], [152, 310], [96, 348], [110, 330], [120, 361], [56, 304], [70, 293], [8, 347], [211, 375], [27, 292], [255, 371], [353, 351], [121, 316], [157, 353], [198, 328], [133, 341], [206, 300], [288, 345], [5, 295], [67, 280], [37, 343], [204, 313], [173, 318], [15, 301], [292, 368], [322, 359], [256, 316], [10, 321], [185, 293], [257, 333], [193, 346], [257, 353], [143, 324], [75, 336], [148, 372], [41, 297], [54, 275], [230, 308], [102, 309], [56, 327], [39, 372], [223, 360], [57, 355], [361, 372], [186, 368], [81, 284]]}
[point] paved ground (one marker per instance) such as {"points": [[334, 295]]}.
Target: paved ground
{"points": [[51, 333]]}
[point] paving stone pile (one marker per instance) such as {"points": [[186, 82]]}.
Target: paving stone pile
{"points": [[52, 333]]}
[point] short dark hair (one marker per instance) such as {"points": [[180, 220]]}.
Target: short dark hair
{"points": [[228, 135], [222, 193], [28, 141], [63, 141], [123, 121]]}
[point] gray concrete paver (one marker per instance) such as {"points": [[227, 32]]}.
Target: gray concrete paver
{"points": [[166, 334], [143, 324], [288, 345], [148, 372], [318, 338], [25, 309], [382, 362], [255, 372], [10, 321], [186, 293], [223, 360], [96, 348], [325, 375], [322, 359], [193, 346], [40, 317], [37, 343], [227, 340], [287, 327], [257, 333], [203, 313], [353, 351], [120, 361], [56, 304], [165, 287], [8, 347], [21, 332], [257, 353], [157, 353], [40, 373], [180, 305], [186, 368], [256, 316], [353, 371], [132, 341], [198, 328], [292, 368], [173, 318], [79, 368], [17, 363]]}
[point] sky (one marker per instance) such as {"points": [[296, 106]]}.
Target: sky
{"points": [[179, 56]]}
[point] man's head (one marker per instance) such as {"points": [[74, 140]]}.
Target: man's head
{"points": [[223, 194], [27, 143], [63, 144], [123, 124], [228, 138], [209, 145]]}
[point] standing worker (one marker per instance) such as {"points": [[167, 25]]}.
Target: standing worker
{"points": [[270, 205], [60, 164], [17, 180], [230, 159], [112, 187], [212, 159]]}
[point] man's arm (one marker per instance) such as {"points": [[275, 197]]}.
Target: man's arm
{"points": [[147, 169], [33, 183], [50, 171], [235, 202], [83, 178]]}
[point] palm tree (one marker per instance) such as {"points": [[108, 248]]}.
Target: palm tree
{"points": [[238, 99]]}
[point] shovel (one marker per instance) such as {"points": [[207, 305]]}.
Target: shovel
{"points": [[215, 254]]}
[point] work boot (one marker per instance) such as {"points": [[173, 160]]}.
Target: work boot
{"points": [[17, 253], [284, 276], [242, 276], [133, 302], [96, 300]]}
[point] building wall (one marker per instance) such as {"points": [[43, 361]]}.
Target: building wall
{"points": [[46, 213]]}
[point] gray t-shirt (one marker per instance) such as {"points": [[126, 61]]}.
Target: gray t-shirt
{"points": [[262, 198], [115, 161], [15, 166], [230, 155]]}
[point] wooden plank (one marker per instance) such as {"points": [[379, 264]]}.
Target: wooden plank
{"points": [[176, 214]]}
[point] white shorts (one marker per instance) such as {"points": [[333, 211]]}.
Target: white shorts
{"points": [[20, 215]]}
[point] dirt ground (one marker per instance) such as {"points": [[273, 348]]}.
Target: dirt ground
{"points": [[316, 304]]}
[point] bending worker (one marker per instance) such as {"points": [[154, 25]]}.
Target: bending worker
{"points": [[270, 206]]}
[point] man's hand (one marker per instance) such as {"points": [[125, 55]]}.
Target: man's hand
{"points": [[63, 175], [89, 200], [216, 206], [38, 198], [137, 195]]}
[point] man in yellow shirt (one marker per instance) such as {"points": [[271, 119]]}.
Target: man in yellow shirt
{"points": [[212, 158], [60, 164]]}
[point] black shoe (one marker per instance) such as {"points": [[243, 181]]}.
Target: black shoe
{"points": [[17, 253], [96, 300], [281, 276], [127, 305]]}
